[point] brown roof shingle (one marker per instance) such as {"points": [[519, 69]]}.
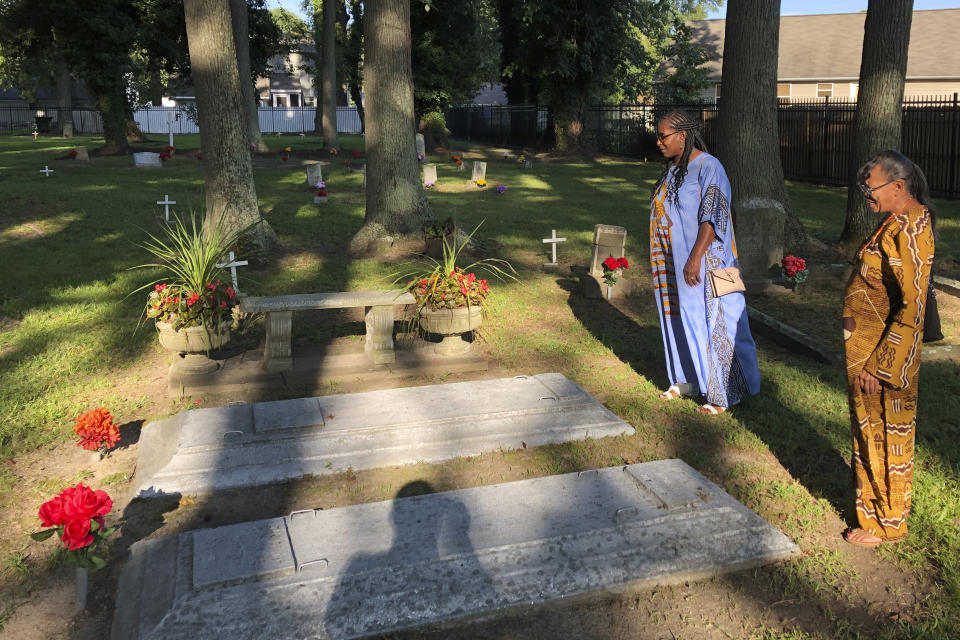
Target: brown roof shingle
{"points": [[828, 47]]}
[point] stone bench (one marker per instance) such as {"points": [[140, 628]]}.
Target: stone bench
{"points": [[277, 355]]}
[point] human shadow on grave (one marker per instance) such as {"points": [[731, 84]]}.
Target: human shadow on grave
{"points": [[435, 591]]}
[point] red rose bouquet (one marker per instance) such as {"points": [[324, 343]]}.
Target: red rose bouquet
{"points": [[97, 431], [794, 268], [77, 516], [611, 268]]}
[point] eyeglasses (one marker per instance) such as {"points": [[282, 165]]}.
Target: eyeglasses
{"points": [[868, 191], [661, 137]]}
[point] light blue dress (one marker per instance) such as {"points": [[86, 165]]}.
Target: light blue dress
{"points": [[706, 340]]}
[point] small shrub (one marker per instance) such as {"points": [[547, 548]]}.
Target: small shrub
{"points": [[433, 126]]}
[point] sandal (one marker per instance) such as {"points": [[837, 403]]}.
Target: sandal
{"points": [[862, 538], [711, 409], [670, 394]]}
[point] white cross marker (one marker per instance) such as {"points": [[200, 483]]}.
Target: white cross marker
{"points": [[46, 171], [170, 119], [552, 241], [36, 134], [233, 264], [166, 202]]}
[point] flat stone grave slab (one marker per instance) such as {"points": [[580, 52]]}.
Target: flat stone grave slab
{"points": [[370, 569], [237, 446]]}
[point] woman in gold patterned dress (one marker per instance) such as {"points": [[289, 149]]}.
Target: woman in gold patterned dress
{"points": [[883, 312]]}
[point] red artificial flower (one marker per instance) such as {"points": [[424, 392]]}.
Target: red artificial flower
{"points": [[222, 304], [76, 534], [73, 153], [199, 156], [168, 148], [355, 154], [231, 293], [284, 158], [623, 263], [159, 287], [83, 503], [164, 156], [471, 277], [51, 513], [459, 161], [322, 193], [211, 286], [346, 163], [95, 429], [192, 300], [611, 263]]}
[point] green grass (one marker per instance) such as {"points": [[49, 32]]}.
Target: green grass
{"points": [[67, 342]]}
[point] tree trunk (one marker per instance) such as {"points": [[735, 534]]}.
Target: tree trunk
{"points": [[228, 169], [749, 143], [879, 117], [112, 102], [395, 199], [356, 94], [241, 38], [329, 122], [64, 99]]}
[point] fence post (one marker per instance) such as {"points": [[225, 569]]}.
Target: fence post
{"points": [[954, 129]]}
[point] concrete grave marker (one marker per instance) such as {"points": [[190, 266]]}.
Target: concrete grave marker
{"points": [[82, 154], [166, 202], [552, 241], [608, 240], [429, 174], [147, 160], [46, 171], [314, 174], [232, 447], [479, 171], [421, 147], [232, 264], [371, 569]]}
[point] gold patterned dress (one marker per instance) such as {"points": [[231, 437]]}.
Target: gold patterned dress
{"points": [[883, 333]]}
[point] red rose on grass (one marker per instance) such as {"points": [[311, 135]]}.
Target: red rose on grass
{"points": [[76, 534], [83, 503], [51, 513]]}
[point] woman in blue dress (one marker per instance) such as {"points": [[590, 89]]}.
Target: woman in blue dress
{"points": [[707, 341]]}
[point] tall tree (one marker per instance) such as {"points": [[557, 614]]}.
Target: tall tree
{"points": [[395, 199], [64, 98], [329, 75], [228, 169], [251, 105], [748, 142], [879, 116], [353, 58], [685, 76]]}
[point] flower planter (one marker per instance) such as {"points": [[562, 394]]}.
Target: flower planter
{"points": [[193, 343], [451, 324]]}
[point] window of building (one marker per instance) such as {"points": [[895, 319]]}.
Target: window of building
{"points": [[716, 92], [854, 90], [784, 92], [294, 99], [309, 102], [825, 90], [281, 100]]}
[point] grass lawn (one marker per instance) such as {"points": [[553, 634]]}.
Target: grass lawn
{"points": [[67, 345]]}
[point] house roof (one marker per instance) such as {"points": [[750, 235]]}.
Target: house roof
{"points": [[828, 47]]}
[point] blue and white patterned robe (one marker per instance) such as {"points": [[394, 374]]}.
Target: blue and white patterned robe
{"points": [[707, 340]]}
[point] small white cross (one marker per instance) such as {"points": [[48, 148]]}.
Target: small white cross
{"points": [[552, 241], [36, 134], [46, 171], [166, 202], [233, 264]]}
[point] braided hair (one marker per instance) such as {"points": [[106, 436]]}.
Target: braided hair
{"points": [[680, 121], [899, 167]]}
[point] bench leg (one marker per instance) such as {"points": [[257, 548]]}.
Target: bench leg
{"points": [[276, 352], [379, 343]]}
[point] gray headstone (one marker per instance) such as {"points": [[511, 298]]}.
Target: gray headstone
{"points": [[314, 174], [82, 155], [228, 447], [608, 240], [760, 237], [371, 569], [67, 129], [429, 174], [421, 145], [479, 171], [146, 159]]}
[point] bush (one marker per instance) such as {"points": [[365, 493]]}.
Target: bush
{"points": [[433, 126]]}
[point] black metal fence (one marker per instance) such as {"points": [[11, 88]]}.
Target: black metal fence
{"points": [[815, 136]]}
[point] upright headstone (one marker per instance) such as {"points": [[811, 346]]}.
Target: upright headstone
{"points": [[421, 147], [479, 171], [82, 155], [608, 240], [429, 174], [147, 159], [67, 129], [314, 174], [759, 237]]}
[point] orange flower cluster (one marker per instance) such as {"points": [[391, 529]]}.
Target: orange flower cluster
{"points": [[96, 429]]}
